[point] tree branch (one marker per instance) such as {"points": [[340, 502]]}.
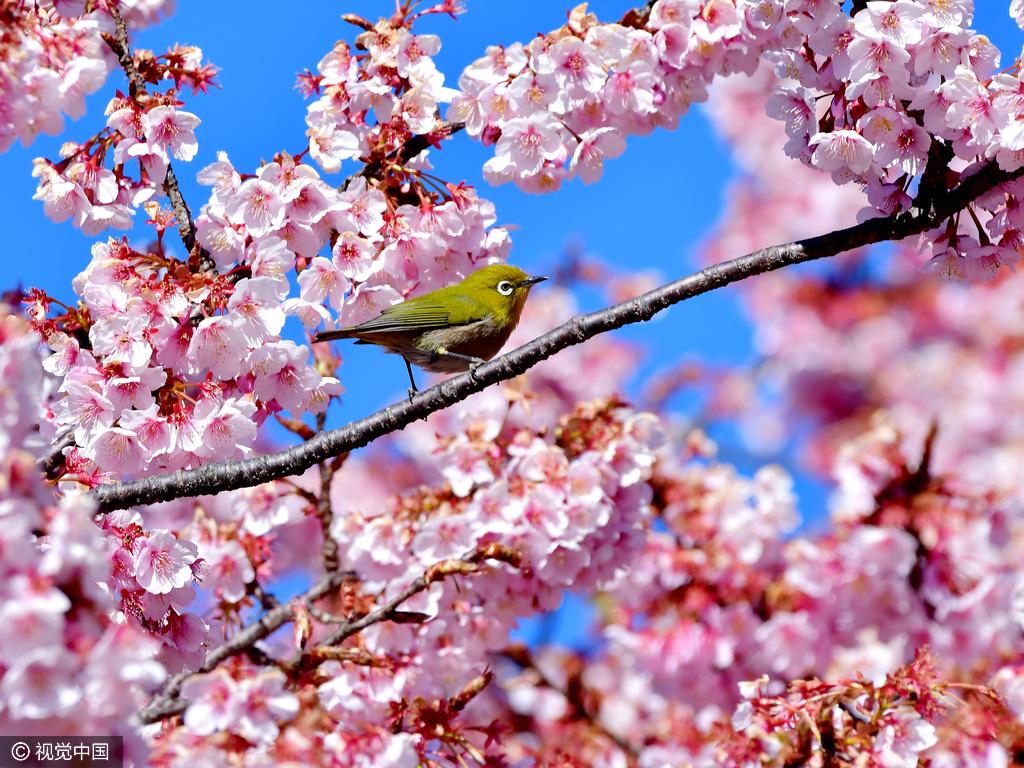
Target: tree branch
{"points": [[54, 460], [224, 476], [410, 149], [639, 16], [324, 507], [118, 43], [183, 215], [437, 572]]}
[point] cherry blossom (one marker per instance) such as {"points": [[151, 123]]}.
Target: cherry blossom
{"points": [[162, 563]]}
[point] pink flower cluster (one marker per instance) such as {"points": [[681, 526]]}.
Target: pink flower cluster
{"points": [[249, 707], [834, 355], [51, 57], [176, 371], [148, 129], [804, 201], [48, 65], [927, 530], [371, 103], [69, 661], [243, 538], [720, 597], [904, 79], [898, 709], [713, 619], [889, 60], [152, 580], [901, 77], [559, 106], [573, 506]]}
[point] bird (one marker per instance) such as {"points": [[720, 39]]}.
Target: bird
{"points": [[451, 329]]}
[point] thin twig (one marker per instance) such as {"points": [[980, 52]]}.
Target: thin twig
{"points": [[639, 16], [575, 696], [224, 476], [54, 460], [437, 572], [118, 43], [410, 149], [167, 704], [324, 508]]}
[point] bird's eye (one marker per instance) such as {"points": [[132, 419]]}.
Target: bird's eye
{"points": [[505, 288]]}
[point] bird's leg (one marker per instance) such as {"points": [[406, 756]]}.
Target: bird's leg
{"points": [[474, 362], [412, 389]]}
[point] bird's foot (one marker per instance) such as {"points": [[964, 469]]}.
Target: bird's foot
{"points": [[475, 363], [412, 391]]}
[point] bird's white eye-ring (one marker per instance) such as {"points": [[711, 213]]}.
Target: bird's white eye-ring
{"points": [[505, 288]]}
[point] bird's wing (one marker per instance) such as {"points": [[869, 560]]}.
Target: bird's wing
{"points": [[424, 314]]}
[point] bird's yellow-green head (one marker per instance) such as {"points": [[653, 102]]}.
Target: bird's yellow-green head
{"points": [[502, 288]]}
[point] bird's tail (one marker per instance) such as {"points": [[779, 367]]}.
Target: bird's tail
{"points": [[340, 333]]}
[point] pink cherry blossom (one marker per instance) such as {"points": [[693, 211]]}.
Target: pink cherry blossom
{"points": [[257, 205], [172, 131], [40, 685], [217, 344], [228, 428], [263, 702], [118, 449], [728, 634], [228, 569], [841, 150], [588, 158], [524, 146], [214, 699], [163, 562], [122, 340]]}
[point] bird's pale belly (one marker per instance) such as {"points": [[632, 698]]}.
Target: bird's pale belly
{"points": [[478, 340]]}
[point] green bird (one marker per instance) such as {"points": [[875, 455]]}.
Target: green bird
{"points": [[451, 329]]}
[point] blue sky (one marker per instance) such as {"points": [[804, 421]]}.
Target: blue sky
{"points": [[649, 211]]}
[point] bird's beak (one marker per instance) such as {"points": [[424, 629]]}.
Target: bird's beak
{"points": [[532, 281]]}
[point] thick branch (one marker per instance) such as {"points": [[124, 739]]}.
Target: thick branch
{"points": [[214, 478]]}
